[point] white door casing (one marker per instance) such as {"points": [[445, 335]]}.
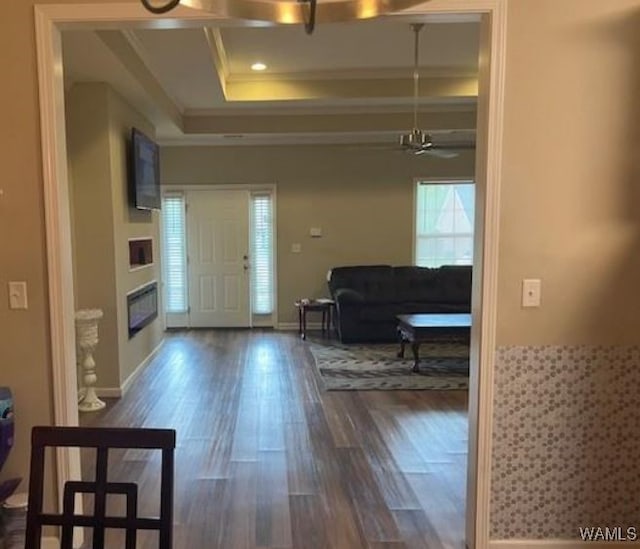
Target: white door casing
{"points": [[51, 18], [218, 259]]}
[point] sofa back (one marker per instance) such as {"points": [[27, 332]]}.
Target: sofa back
{"points": [[416, 284], [373, 282], [385, 284], [455, 284]]}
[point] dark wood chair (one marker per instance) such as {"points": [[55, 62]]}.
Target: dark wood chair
{"points": [[102, 439]]}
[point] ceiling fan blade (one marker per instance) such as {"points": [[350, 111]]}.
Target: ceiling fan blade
{"points": [[453, 146], [438, 153]]}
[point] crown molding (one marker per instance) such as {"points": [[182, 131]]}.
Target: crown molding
{"points": [[464, 105], [126, 49], [383, 73]]}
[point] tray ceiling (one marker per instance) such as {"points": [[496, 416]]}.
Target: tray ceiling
{"points": [[350, 80]]}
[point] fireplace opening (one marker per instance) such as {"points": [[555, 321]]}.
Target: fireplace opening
{"points": [[142, 307]]}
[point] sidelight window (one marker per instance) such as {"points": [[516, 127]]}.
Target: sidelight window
{"points": [[262, 284], [175, 255]]}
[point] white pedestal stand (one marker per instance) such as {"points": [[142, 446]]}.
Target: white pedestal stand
{"points": [[87, 339]]}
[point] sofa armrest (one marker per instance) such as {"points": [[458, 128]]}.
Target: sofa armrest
{"points": [[344, 296]]}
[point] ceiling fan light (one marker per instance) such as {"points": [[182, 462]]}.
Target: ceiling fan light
{"points": [[416, 139]]}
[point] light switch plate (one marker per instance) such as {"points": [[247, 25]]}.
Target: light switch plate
{"points": [[296, 248], [18, 295], [531, 292]]}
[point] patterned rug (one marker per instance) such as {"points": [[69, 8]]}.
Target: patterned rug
{"points": [[444, 365]]}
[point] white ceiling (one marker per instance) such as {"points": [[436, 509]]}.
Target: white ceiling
{"points": [[352, 81]]}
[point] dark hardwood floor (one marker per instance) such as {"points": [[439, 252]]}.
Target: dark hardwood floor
{"points": [[265, 459]]}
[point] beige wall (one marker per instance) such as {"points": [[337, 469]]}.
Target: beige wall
{"points": [[130, 223], [569, 197], [87, 116], [566, 409], [362, 198], [25, 362], [99, 123], [571, 180]]}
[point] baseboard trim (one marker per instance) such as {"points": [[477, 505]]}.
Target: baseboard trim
{"points": [[558, 544], [109, 392], [140, 368], [119, 392], [293, 326]]}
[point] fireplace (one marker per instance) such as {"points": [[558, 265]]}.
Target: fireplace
{"points": [[142, 307]]}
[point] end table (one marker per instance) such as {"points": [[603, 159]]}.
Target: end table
{"points": [[324, 306]]}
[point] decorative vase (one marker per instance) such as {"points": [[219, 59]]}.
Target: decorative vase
{"points": [[86, 340]]}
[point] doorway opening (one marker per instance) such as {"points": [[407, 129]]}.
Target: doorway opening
{"points": [[49, 21]]}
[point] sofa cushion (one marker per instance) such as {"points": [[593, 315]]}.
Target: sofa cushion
{"points": [[373, 282], [376, 313], [454, 284], [415, 284], [347, 295]]}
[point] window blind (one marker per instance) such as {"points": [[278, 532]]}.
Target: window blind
{"points": [[444, 224], [175, 264], [262, 261]]}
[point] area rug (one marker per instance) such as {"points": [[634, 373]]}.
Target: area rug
{"points": [[444, 365]]}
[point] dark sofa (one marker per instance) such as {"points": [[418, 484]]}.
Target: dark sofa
{"points": [[368, 297]]}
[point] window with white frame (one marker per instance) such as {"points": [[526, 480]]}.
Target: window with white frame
{"points": [[175, 254], [262, 279], [444, 223]]}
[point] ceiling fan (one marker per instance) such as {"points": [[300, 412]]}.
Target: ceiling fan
{"points": [[418, 141]]}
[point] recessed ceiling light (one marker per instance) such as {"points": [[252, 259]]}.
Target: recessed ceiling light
{"points": [[258, 66]]}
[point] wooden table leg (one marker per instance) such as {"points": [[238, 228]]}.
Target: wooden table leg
{"points": [[324, 319], [304, 322], [402, 341], [415, 347]]}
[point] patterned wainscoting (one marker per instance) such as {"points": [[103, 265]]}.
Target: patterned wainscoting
{"points": [[566, 441]]}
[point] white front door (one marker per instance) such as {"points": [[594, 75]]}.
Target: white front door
{"points": [[218, 250]]}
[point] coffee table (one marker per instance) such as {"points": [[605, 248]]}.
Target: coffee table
{"points": [[420, 328]]}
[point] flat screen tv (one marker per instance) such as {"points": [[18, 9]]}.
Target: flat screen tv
{"points": [[144, 178]]}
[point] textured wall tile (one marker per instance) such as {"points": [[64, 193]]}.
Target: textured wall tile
{"points": [[566, 440]]}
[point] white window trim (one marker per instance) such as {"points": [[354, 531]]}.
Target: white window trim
{"points": [[414, 214]]}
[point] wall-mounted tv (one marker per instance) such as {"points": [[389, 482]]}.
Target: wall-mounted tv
{"points": [[144, 172]]}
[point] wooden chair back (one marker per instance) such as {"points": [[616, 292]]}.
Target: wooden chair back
{"points": [[102, 439]]}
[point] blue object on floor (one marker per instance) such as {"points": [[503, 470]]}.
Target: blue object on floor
{"points": [[6, 424]]}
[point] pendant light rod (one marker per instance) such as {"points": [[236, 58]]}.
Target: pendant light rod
{"points": [[417, 27], [310, 21]]}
